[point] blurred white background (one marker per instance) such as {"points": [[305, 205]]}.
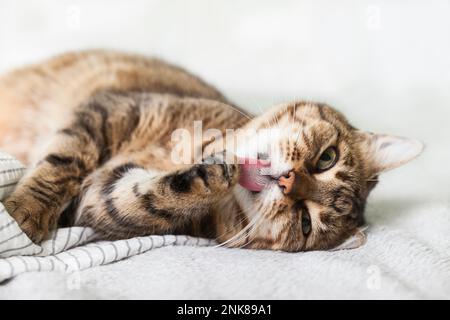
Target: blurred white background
{"points": [[385, 64]]}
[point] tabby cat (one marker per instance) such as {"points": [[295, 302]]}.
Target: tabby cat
{"points": [[96, 131]]}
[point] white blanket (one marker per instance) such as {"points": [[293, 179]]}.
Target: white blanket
{"points": [[406, 256], [68, 249]]}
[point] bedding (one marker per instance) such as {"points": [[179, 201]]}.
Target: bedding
{"points": [[406, 256], [68, 249]]}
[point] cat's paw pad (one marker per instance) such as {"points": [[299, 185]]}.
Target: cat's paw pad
{"points": [[206, 179], [219, 177]]}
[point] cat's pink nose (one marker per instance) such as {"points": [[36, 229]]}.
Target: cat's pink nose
{"points": [[287, 182]]}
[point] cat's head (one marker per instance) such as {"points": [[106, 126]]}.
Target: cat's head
{"points": [[329, 168]]}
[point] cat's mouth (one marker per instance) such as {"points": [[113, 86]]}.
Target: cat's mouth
{"points": [[255, 174]]}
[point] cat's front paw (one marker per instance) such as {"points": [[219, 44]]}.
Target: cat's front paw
{"points": [[206, 179], [35, 220]]}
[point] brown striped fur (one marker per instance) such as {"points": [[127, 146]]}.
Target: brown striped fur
{"points": [[95, 128]]}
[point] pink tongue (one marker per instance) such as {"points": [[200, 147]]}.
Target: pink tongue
{"points": [[252, 177]]}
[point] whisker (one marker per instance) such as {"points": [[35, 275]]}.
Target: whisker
{"points": [[243, 237], [239, 234], [252, 226], [252, 229], [238, 223]]}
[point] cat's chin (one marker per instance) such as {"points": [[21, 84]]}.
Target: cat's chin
{"points": [[247, 197]]}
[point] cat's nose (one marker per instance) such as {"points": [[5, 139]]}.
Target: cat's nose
{"points": [[286, 182]]}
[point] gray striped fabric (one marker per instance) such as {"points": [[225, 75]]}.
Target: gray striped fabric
{"points": [[11, 170], [67, 249]]}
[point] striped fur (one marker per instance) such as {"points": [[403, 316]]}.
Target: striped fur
{"points": [[107, 118]]}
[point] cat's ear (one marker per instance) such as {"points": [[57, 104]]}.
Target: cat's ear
{"points": [[355, 241], [385, 152]]}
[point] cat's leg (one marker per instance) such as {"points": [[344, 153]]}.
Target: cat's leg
{"points": [[73, 153], [40, 196], [128, 200]]}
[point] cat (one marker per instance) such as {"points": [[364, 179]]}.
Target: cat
{"points": [[96, 130]]}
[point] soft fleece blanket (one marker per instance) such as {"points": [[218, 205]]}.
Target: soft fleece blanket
{"points": [[406, 256]]}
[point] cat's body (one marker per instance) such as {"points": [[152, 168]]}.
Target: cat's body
{"points": [[97, 126], [37, 100]]}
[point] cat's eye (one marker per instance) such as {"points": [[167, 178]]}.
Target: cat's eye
{"points": [[327, 159], [306, 222]]}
